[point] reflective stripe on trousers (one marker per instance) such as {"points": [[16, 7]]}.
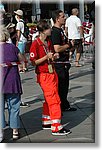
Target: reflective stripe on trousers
{"points": [[55, 129], [46, 120], [56, 125]]}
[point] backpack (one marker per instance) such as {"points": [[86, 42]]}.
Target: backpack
{"points": [[26, 30]]}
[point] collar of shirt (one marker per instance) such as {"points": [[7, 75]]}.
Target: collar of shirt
{"points": [[46, 48], [42, 44]]}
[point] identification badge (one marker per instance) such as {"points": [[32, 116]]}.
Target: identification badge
{"points": [[50, 68]]}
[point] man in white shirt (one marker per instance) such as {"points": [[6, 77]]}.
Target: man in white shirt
{"points": [[74, 31], [21, 39], [21, 43]]}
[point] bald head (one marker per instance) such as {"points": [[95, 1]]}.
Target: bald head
{"points": [[75, 11]]}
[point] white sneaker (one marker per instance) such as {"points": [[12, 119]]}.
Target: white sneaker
{"points": [[62, 132]]}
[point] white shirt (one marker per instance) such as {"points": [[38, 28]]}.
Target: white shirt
{"points": [[20, 27], [52, 23], [73, 23]]}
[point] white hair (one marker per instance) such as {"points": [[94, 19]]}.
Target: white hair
{"points": [[4, 34]]}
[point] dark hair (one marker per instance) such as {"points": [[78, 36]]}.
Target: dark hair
{"points": [[42, 25], [56, 14]]}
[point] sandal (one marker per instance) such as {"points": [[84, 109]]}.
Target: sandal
{"points": [[22, 71], [78, 65], [16, 136]]}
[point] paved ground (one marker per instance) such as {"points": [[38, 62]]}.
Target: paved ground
{"points": [[81, 123]]}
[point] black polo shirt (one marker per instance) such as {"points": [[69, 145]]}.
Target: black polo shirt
{"points": [[58, 38]]}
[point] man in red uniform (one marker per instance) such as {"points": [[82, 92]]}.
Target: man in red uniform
{"points": [[41, 55]]}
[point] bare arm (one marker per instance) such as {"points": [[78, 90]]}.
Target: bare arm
{"points": [[21, 57], [41, 60], [59, 48], [81, 31], [18, 36]]}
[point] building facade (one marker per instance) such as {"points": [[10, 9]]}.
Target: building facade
{"points": [[42, 9]]}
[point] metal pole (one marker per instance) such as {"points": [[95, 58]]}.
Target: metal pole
{"points": [[81, 9], [33, 9], [61, 5], [38, 10]]}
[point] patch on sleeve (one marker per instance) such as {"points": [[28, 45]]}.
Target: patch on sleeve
{"points": [[32, 55]]}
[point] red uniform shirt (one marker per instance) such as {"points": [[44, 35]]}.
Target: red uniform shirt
{"points": [[37, 51]]}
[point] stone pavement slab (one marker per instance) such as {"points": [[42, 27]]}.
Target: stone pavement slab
{"points": [[81, 122]]}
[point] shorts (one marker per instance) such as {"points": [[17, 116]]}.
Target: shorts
{"points": [[78, 45], [21, 46]]}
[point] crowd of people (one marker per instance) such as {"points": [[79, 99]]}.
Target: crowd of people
{"points": [[50, 53]]}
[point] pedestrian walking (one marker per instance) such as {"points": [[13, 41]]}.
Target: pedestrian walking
{"points": [[11, 84], [41, 55], [21, 39], [73, 29], [21, 43], [61, 46]]}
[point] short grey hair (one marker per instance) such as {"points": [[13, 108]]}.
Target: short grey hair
{"points": [[4, 34]]}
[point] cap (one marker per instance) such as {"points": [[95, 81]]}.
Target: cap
{"points": [[19, 12], [10, 25]]}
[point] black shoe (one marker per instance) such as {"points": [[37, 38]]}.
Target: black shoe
{"points": [[24, 104], [46, 127], [69, 109], [63, 131]]}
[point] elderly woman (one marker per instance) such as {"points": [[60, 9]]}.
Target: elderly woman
{"points": [[11, 84]]}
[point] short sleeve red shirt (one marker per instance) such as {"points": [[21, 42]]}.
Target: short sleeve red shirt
{"points": [[37, 51]]}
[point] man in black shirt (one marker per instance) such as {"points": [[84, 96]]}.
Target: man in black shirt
{"points": [[61, 46]]}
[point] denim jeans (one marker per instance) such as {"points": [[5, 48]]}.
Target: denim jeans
{"points": [[13, 104]]}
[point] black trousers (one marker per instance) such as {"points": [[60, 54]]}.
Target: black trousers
{"points": [[63, 85]]}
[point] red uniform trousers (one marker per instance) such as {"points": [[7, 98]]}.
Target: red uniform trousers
{"points": [[51, 107]]}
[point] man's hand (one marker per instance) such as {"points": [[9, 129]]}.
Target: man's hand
{"points": [[50, 55], [72, 42], [56, 55]]}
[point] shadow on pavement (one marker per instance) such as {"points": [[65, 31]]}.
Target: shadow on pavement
{"points": [[81, 73], [31, 120]]}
